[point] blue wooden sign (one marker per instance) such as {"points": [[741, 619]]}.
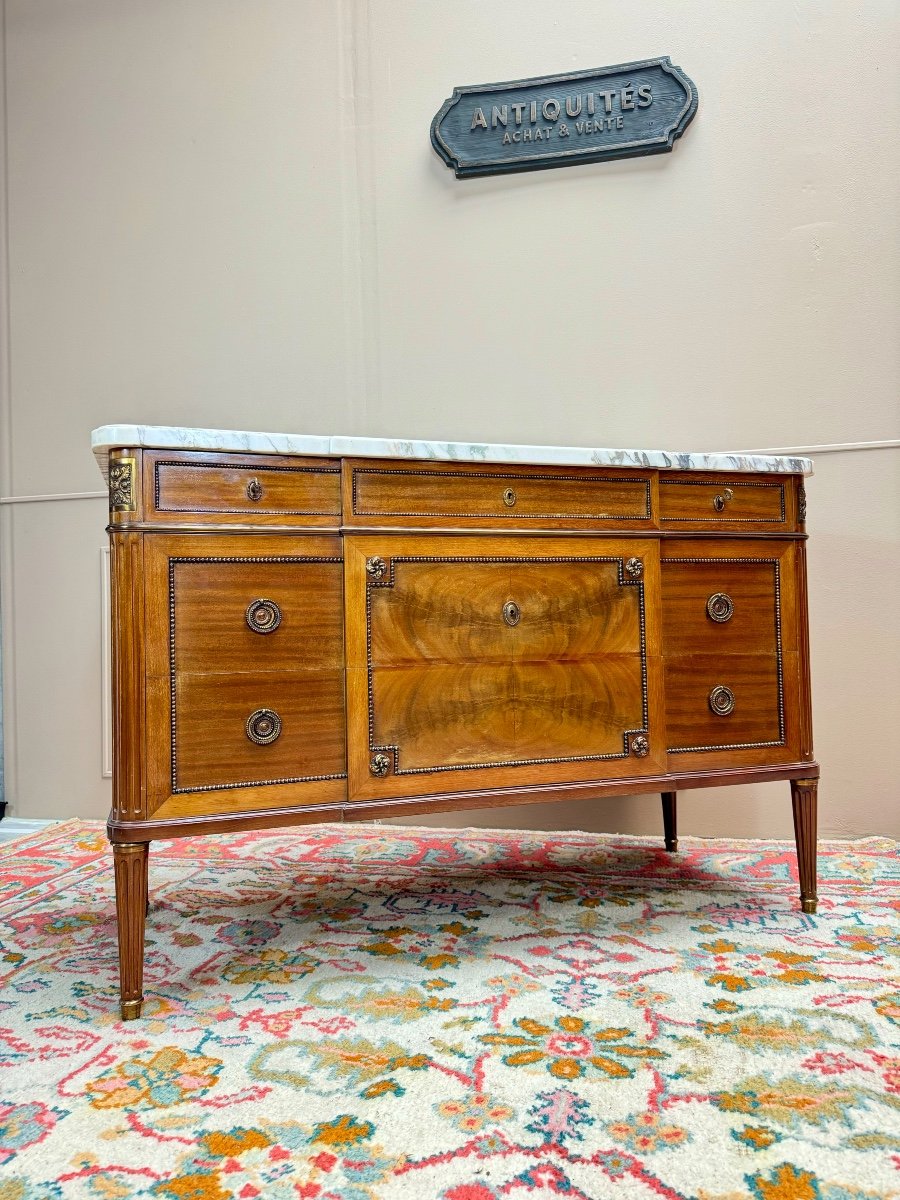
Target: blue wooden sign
{"points": [[560, 120]]}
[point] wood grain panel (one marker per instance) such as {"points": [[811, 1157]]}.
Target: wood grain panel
{"points": [[494, 496], [752, 587], [754, 501], [212, 748], [453, 612], [465, 704], [213, 489], [218, 566], [470, 714], [753, 679], [211, 630]]}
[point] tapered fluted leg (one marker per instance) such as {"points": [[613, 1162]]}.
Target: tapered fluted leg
{"points": [[803, 795], [131, 905], [670, 820]]}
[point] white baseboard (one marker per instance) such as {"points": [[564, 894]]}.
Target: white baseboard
{"points": [[14, 827]]}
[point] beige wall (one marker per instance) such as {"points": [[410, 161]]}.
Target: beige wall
{"points": [[227, 212]]}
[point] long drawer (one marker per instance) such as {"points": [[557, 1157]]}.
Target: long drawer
{"points": [[494, 497]]}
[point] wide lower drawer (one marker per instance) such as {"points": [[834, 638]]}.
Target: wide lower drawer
{"points": [[719, 703], [206, 488], [723, 501], [493, 497], [245, 730], [486, 662]]}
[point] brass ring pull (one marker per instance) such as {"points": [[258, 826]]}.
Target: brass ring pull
{"points": [[263, 726], [512, 614], [721, 701], [509, 497], [720, 607], [254, 490], [263, 616], [722, 499]]}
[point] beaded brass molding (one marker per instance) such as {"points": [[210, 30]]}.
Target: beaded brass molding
{"points": [[174, 562], [633, 740], [509, 495]]}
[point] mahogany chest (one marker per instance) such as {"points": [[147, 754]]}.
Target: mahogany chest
{"points": [[305, 638]]}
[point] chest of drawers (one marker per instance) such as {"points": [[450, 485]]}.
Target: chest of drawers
{"points": [[302, 637]]}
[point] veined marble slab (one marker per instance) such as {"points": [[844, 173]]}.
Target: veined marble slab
{"points": [[176, 437]]}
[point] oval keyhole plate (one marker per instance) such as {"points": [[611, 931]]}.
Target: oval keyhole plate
{"points": [[512, 614]]}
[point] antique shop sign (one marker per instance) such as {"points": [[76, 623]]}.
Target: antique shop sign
{"points": [[559, 120]]}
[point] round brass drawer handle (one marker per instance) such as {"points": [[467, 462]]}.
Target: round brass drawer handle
{"points": [[721, 700], [512, 614], [721, 500], [254, 490], [509, 498], [379, 765], [720, 607], [263, 616], [264, 726]]}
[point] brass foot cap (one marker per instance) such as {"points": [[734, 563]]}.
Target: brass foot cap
{"points": [[808, 906], [131, 1009], [673, 846]]}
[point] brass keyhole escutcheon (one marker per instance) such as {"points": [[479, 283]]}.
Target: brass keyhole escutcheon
{"points": [[512, 614], [509, 497], [721, 700], [254, 490], [263, 726], [720, 607], [263, 616], [722, 499]]}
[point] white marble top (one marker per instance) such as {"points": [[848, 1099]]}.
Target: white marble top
{"points": [[176, 437]]}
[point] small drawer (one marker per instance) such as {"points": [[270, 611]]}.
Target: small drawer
{"points": [[252, 729], [205, 488], [722, 501], [280, 613], [482, 497], [724, 703], [725, 606]]}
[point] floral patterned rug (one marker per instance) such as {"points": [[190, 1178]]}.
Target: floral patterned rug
{"points": [[358, 1012]]}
